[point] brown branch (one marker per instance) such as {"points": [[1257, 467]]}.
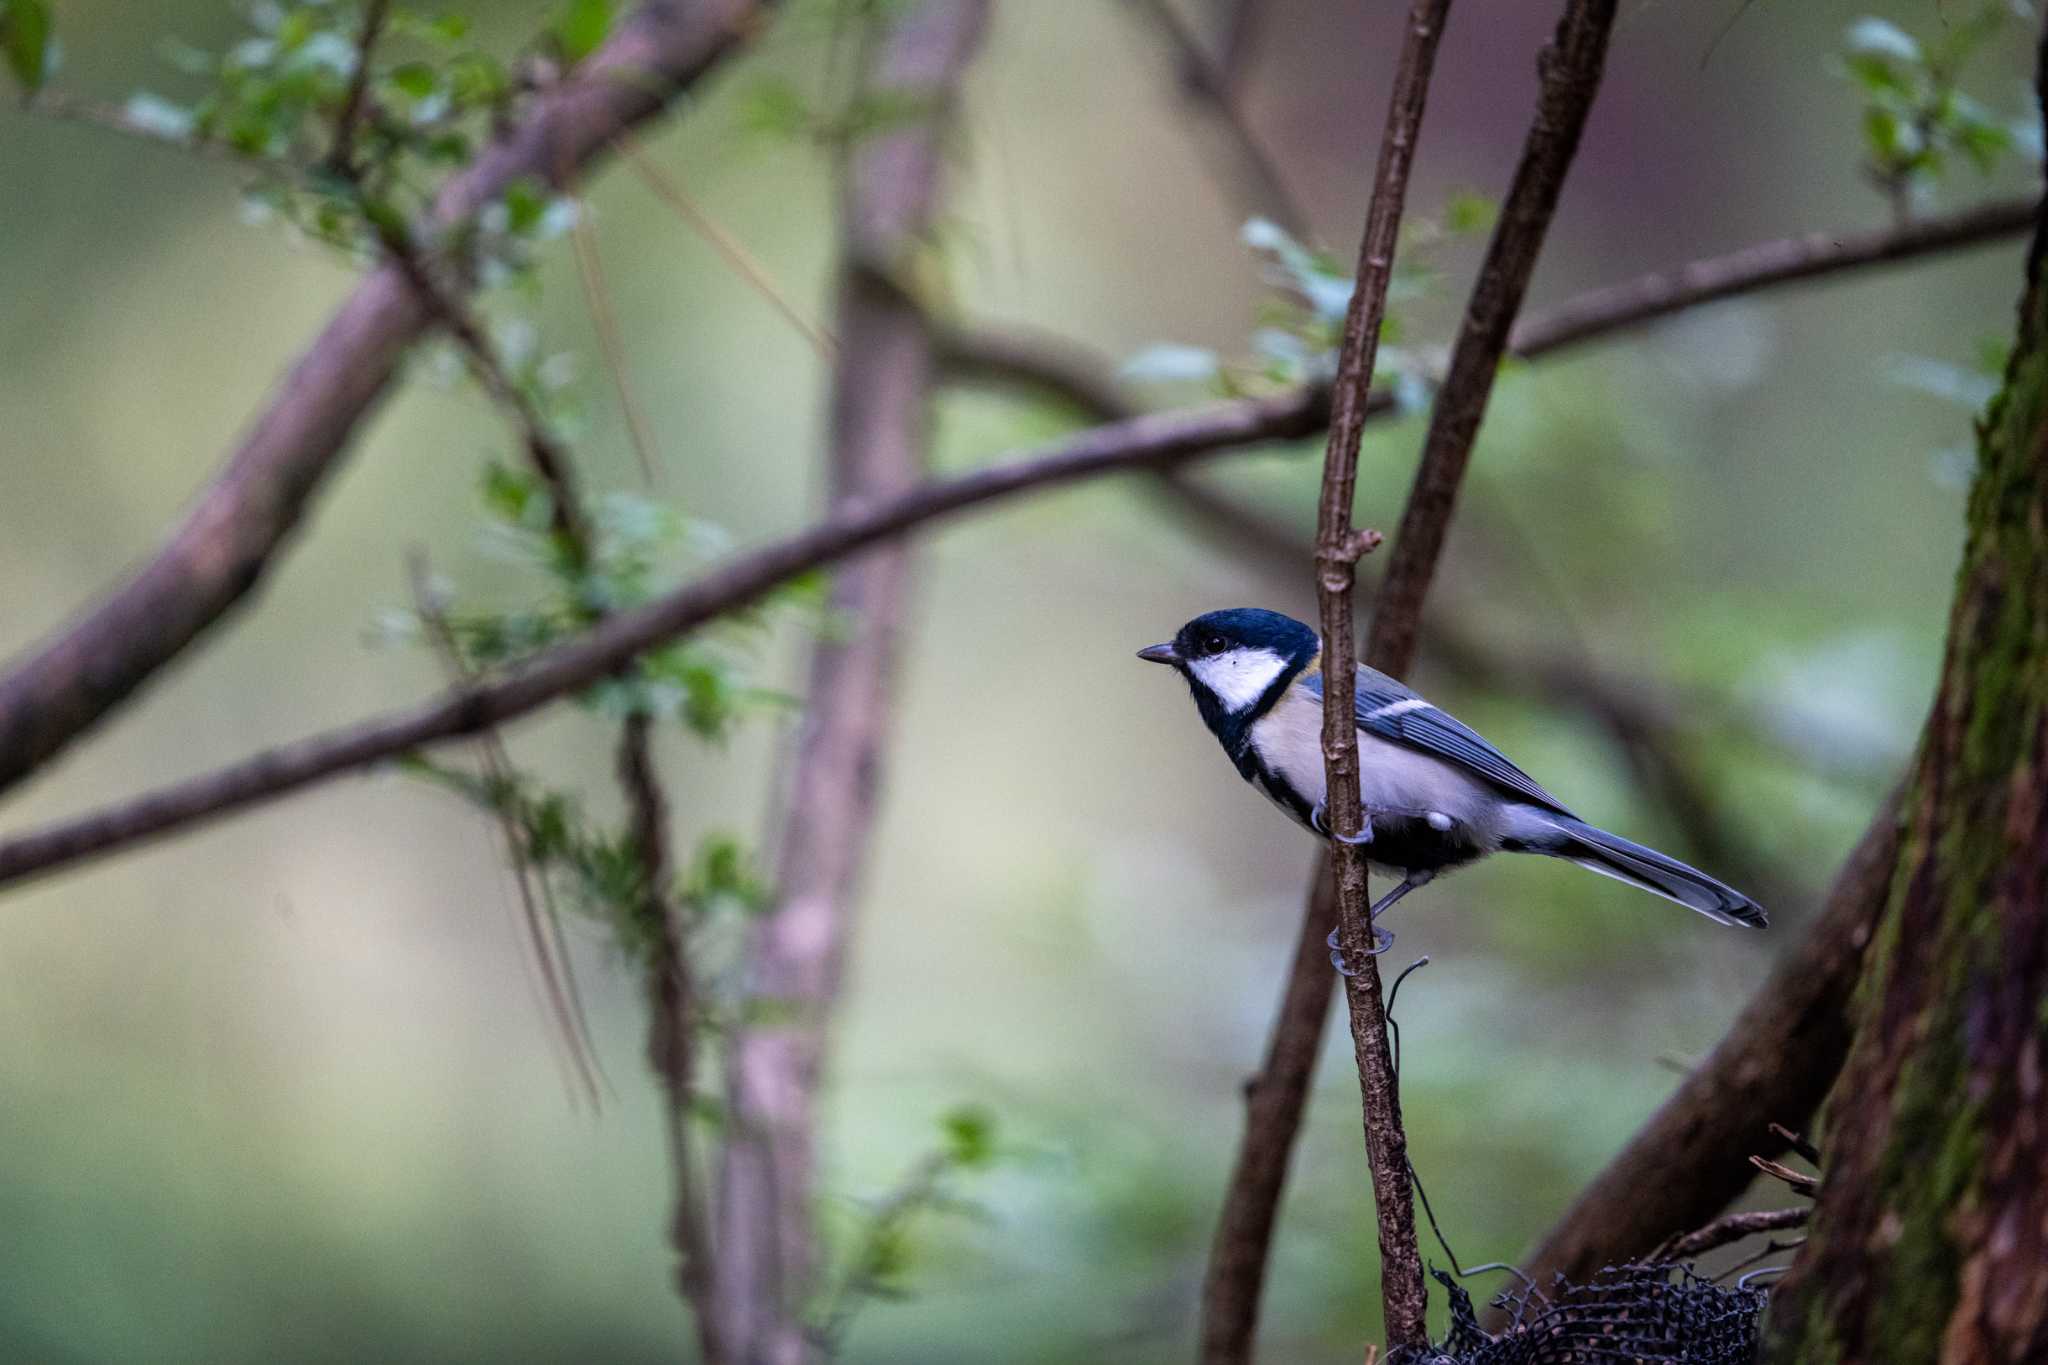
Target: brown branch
{"points": [[611, 343], [1032, 362], [1338, 547], [220, 551], [672, 1021], [1150, 443], [766, 1271], [1766, 265], [342, 157], [1570, 68], [1778, 1060], [1144, 443], [1725, 1231], [1207, 81], [670, 191]]}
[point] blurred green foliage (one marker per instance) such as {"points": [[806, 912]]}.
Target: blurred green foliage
{"points": [[277, 1091]]}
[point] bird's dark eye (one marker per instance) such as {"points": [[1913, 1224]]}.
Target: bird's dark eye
{"points": [[1212, 644]]}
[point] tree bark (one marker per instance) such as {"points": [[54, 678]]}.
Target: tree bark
{"points": [[1930, 1236], [765, 1270]]}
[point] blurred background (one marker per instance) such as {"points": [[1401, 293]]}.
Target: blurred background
{"points": [[280, 1090]]}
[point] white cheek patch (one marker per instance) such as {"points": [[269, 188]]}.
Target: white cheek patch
{"points": [[1240, 677]]}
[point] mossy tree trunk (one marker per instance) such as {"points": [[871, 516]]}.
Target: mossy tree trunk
{"points": [[1930, 1236]]}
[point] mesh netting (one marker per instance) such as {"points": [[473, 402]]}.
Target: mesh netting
{"points": [[1661, 1314]]}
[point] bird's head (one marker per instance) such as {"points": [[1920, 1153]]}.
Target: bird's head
{"points": [[1237, 661]]}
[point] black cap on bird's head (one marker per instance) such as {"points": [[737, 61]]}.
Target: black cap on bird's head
{"points": [[1220, 632], [1237, 663]]}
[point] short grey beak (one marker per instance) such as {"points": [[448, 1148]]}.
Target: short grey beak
{"points": [[1160, 654]]}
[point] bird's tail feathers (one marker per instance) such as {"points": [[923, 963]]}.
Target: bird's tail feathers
{"points": [[1613, 856]]}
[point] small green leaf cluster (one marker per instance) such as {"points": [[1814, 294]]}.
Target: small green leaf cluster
{"points": [[352, 157], [1302, 326], [597, 871], [879, 1250], [636, 549], [1917, 122]]}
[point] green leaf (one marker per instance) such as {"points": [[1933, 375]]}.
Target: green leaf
{"points": [[415, 80], [25, 34], [1467, 212], [774, 106], [970, 1132], [581, 26]]}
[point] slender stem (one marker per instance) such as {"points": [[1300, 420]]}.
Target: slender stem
{"points": [[1732, 1228], [342, 157], [1570, 68], [1338, 547]]}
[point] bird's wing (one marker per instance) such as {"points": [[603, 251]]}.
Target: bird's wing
{"points": [[1389, 711]]}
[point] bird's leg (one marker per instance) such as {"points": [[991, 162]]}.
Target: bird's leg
{"points": [[1318, 820], [1382, 939]]}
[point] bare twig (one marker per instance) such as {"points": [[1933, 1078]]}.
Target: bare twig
{"points": [[766, 1272], [543, 926], [1794, 1142], [1148, 443], [1338, 548], [1780, 1057], [671, 1026], [1799, 1182], [671, 192], [598, 298], [1733, 1228], [221, 549], [1570, 68], [1207, 81]]}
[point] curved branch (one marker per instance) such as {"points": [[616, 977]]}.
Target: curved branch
{"points": [[1151, 442], [1154, 442], [220, 551]]}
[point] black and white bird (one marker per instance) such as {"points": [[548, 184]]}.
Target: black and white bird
{"points": [[1436, 795]]}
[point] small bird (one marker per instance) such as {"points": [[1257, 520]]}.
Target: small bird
{"points": [[1436, 795]]}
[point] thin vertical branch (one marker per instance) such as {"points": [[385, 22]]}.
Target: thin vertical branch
{"points": [[1570, 70], [766, 1272], [1338, 548], [342, 157], [1570, 67], [597, 297]]}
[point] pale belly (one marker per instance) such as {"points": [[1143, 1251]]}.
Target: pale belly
{"points": [[1425, 811]]}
